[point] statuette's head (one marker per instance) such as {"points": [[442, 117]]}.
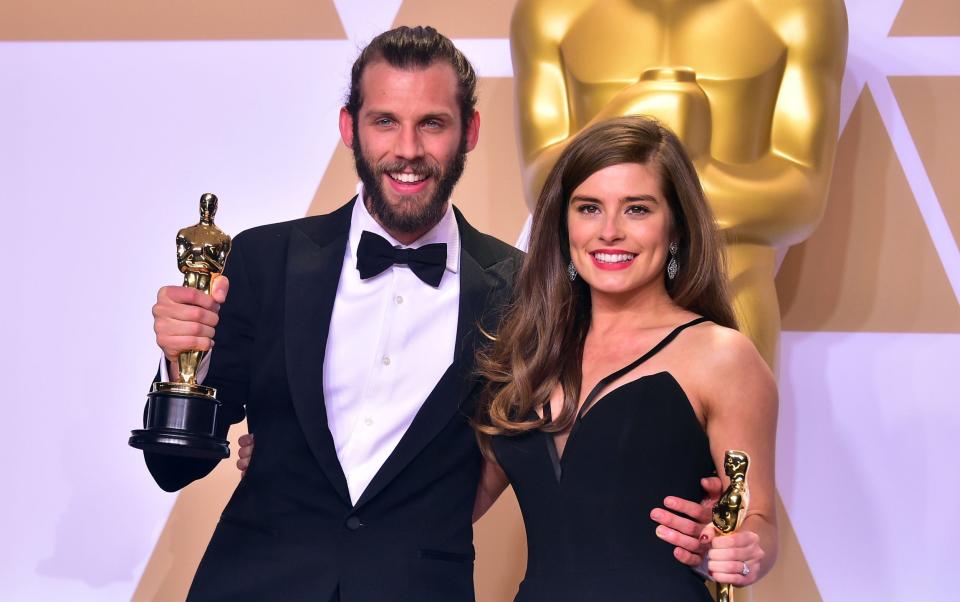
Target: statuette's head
{"points": [[208, 206], [735, 463]]}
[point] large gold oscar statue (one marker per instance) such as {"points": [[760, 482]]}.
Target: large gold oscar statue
{"points": [[752, 87]]}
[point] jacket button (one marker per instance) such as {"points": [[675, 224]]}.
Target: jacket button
{"points": [[353, 523]]}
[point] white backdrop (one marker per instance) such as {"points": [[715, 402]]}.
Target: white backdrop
{"points": [[105, 148]]}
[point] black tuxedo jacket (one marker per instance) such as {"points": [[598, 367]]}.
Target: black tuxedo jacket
{"points": [[290, 531]]}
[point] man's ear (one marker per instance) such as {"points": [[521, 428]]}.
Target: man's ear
{"points": [[346, 127], [473, 131]]}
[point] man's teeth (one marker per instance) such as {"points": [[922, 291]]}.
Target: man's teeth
{"points": [[407, 178], [613, 257]]}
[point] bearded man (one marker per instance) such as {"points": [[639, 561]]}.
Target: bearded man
{"points": [[348, 342]]}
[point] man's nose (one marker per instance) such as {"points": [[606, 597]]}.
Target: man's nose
{"points": [[408, 144]]}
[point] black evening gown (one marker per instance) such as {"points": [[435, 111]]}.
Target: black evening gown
{"points": [[587, 514]]}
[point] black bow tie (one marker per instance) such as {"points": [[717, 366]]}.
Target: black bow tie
{"points": [[375, 254]]}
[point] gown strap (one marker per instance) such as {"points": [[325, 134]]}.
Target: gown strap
{"points": [[656, 349]]}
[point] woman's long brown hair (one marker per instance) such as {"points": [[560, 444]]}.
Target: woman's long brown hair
{"points": [[540, 341]]}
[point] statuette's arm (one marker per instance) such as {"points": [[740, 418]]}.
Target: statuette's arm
{"points": [[217, 256], [783, 193]]}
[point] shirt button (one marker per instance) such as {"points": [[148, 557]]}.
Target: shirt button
{"points": [[398, 299], [386, 360], [368, 421], [353, 523]]}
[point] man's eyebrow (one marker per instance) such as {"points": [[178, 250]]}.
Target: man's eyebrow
{"points": [[442, 115], [377, 113]]}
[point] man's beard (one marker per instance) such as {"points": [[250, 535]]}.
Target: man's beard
{"points": [[419, 216]]}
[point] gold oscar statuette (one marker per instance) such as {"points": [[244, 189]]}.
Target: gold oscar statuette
{"points": [[183, 418], [731, 508]]}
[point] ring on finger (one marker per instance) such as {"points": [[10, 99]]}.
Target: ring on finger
{"points": [[745, 570]]}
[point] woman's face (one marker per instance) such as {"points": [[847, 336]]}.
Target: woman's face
{"points": [[619, 225]]}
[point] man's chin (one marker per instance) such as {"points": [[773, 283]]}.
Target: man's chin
{"points": [[406, 202], [406, 215], [408, 205]]}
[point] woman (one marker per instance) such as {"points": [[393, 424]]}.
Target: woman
{"points": [[618, 377]]}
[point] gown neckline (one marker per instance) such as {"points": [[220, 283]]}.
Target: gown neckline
{"points": [[590, 402]]}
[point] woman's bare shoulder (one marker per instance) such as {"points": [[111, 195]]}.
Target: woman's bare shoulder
{"points": [[730, 365]]}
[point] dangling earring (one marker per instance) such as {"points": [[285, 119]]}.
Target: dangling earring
{"points": [[673, 267], [571, 271]]}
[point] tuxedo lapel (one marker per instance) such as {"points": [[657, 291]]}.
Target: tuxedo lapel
{"points": [[479, 285], [314, 262], [476, 290]]}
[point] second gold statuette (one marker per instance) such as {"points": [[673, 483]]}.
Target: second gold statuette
{"points": [[184, 418], [731, 508]]}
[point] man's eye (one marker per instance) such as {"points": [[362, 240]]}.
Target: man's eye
{"points": [[432, 124], [383, 121]]}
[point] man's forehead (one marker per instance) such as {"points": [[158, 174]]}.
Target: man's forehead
{"points": [[436, 82]]}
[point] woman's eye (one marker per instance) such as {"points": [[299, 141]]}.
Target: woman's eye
{"points": [[638, 209], [591, 209]]}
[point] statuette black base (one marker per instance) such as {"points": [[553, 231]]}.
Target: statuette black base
{"points": [[183, 420]]}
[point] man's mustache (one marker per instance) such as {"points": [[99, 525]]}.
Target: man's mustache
{"points": [[419, 167]]}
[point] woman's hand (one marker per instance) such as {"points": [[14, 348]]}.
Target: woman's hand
{"points": [[245, 453], [730, 556]]}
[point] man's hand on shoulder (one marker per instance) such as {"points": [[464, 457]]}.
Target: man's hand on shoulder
{"points": [[184, 319], [682, 522]]}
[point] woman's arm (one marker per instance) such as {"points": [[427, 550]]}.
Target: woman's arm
{"points": [[740, 404]]}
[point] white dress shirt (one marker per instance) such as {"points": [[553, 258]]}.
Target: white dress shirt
{"points": [[391, 339]]}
